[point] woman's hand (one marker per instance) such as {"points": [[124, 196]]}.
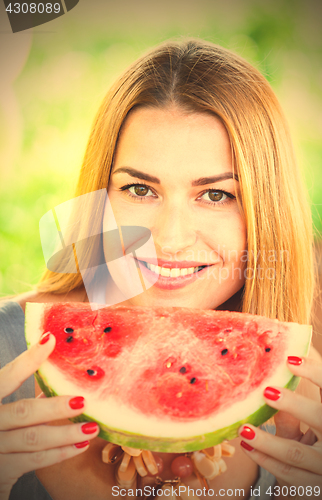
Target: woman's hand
{"points": [[294, 458], [26, 443]]}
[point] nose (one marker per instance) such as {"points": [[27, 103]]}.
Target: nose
{"points": [[174, 229]]}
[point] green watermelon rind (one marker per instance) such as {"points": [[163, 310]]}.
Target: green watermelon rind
{"points": [[173, 445]]}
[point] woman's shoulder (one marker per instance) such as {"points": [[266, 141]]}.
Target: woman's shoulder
{"points": [[78, 295]]}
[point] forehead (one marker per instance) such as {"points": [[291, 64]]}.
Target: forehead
{"points": [[156, 140]]}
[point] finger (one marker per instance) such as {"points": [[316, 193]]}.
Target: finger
{"points": [[287, 426], [287, 473], [15, 373], [309, 438], [304, 409], [16, 464], [306, 367], [28, 412], [44, 437], [288, 452]]}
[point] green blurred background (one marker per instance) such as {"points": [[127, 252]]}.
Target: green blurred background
{"points": [[54, 77]]}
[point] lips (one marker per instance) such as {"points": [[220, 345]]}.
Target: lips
{"points": [[175, 263], [172, 275], [173, 272]]}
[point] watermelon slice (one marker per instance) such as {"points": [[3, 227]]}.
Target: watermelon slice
{"points": [[165, 379]]}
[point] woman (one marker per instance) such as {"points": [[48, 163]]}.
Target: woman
{"points": [[192, 144]]}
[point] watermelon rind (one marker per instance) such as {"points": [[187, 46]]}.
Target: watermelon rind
{"points": [[173, 445], [166, 436]]}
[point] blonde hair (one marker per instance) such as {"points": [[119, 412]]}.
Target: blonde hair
{"points": [[198, 76]]}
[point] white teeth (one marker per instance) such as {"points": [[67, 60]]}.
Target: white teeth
{"points": [[173, 272], [152, 267], [165, 271]]}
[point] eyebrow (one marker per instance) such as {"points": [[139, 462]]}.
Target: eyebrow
{"points": [[198, 182]]}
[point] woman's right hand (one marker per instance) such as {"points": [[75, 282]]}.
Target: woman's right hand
{"points": [[26, 442]]}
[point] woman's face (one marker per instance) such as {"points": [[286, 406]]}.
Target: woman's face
{"points": [[173, 175]]}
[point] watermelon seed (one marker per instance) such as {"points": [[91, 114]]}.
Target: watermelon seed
{"points": [[68, 330], [183, 369], [206, 385], [91, 372], [69, 339], [179, 395], [224, 351], [107, 329], [168, 365], [267, 349], [193, 380]]}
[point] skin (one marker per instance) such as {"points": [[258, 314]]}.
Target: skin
{"points": [[176, 148]]}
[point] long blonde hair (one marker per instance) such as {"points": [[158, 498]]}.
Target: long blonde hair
{"points": [[202, 77]]}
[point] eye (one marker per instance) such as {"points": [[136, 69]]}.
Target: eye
{"points": [[139, 190], [215, 195]]}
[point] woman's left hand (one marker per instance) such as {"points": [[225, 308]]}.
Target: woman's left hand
{"points": [[294, 458]]}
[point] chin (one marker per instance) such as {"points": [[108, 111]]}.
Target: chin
{"points": [[191, 300]]}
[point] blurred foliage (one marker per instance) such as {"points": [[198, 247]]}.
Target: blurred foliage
{"points": [[70, 67]]}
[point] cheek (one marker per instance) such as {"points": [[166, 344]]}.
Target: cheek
{"points": [[227, 235], [125, 213], [238, 235]]}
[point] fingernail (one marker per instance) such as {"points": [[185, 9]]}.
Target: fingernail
{"points": [[82, 444], [247, 433], [44, 338], [272, 394], [77, 403], [246, 446], [294, 360], [89, 428]]}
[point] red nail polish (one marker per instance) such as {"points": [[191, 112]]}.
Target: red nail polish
{"points": [[247, 432], [246, 446], [44, 338], [272, 394], [77, 403], [82, 444], [89, 428], [294, 360]]}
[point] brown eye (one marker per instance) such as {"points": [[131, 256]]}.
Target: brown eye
{"points": [[141, 190], [216, 195]]}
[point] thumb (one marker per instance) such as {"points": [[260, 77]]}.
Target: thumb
{"points": [[287, 426]]}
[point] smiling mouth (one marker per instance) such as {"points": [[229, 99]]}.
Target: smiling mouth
{"points": [[174, 272]]}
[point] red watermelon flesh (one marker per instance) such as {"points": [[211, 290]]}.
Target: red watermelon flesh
{"points": [[165, 372], [191, 365]]}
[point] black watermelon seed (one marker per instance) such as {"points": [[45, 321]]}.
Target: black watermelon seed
{"points": [[69, 339], [91, 372], [267, 349], [68, 330], [183, 369], [224, 351], [193, 380], [107, 329]]}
